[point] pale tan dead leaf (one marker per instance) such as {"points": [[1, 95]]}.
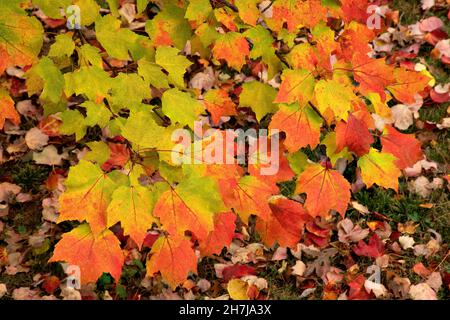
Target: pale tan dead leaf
{"points": [[3, 290], [360, 208], [378, 289], [49, 156], [422, 291], [349, 233], [299, 268], [128, 12], [25, 293], [406, 242], [69, 293], [403, 116], [36, 139], [434, 280]]}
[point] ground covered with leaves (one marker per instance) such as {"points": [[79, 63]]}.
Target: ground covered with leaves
{"points": [[89, 98]]}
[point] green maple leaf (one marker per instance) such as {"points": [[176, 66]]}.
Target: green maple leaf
{"points": [[152, 74], [73, 123], [180, 107], [21, 36], [259, 96], [128, 90], [173, 63], [93, 82], [263, 48], [117, 41], [99, 153], [46, 76], [52, 8], [63, 46], [142, 129], [89, 10], [198, 10], [96, 114], [89, 56], [169, 27]]}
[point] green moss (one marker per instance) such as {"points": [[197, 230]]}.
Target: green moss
{"points": [[29, 176], [409, 10]]}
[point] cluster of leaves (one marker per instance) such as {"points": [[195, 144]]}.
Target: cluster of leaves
{"points": [[305, 68]]}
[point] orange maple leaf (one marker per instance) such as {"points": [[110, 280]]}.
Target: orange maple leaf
{"points": [[233, 48], [405, 147], [407, 85], [301, 125], [92, 254], [174, 257], [221, 236], [325, 189], [285, 224], [353, 134], [7, 110]]}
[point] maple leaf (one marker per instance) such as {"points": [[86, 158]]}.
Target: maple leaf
{"points": [[7, 110], [263, 48], [249, 196], [296, 86], [93, 82], [285, 224], [63, 46], [233, 48], [181, 107], [326, 46], [304, 56], [405, 147], [21, 37], [190, 206], [325, 189], [221, 236], [219, 104], [174, 258], [357, 290], [87, 196], [298, 13], [227, 17], [128, 90], [263, 160], [373, 75], [301, 125], [152, 74], [92, 254], [379, 168], [334, 99], [248, 11], [354, 39], [141, 129], [374, 248], [53, 81], [353, 134], [175, 64], [52, 8], [118, 42], [355, 10], [330, 142], [132, 206], [169, 27], [407, 84], [237, 271], [198, 10], [259, 96]]}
